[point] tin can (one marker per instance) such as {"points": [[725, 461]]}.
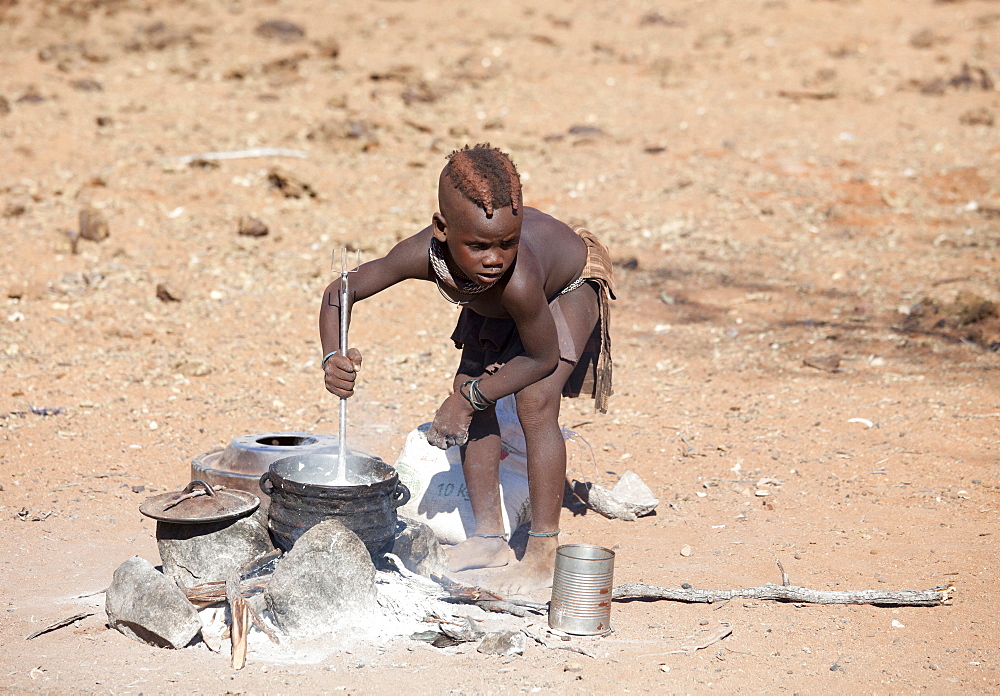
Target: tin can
{"points": [[581, 590]]}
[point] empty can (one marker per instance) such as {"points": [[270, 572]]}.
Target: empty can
{"points": [[581, 590]]}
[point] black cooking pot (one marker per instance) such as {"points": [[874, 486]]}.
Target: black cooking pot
{"points": [[364, 499]]}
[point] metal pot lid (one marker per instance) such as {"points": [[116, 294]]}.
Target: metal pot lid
{"points": [[199, 503], [253, 453]]}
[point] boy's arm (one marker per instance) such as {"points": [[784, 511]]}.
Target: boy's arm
{"points": [[406, 260], [525, 301]]}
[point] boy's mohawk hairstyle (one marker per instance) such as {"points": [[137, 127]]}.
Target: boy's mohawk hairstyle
{"points": [[486, 176]]}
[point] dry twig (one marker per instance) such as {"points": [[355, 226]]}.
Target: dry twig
{"points": [[240, 612], [485, 599], [806, 94], [698, 642], [259, 622], [500, 606], [236, 154], [60, 624], [545, 644]]}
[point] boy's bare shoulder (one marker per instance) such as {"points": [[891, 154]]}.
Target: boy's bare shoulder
{"points": [[416, 244], [410, 255], [551, 256], [537, 222]]}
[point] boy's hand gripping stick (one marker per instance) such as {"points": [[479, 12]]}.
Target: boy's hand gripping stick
{"points": [[345, 309]]}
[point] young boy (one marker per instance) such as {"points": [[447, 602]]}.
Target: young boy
{"points": [[534, 323]]}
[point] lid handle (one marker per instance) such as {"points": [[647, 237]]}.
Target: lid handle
{"points": [[198, 482], [190, 492]]}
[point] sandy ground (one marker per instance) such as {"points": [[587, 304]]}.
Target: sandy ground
{"points": [[780, 182]]}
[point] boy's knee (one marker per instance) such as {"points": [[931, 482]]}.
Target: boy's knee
{"points": [[537, 405]]}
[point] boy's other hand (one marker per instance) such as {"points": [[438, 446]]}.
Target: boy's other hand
{"points": [[341, 371], [451, 423]]}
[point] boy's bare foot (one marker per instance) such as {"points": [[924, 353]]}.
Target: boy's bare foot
{"points": [[478, 552], [532, 574]]}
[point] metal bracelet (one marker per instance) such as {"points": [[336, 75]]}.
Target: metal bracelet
{"points": [[471, 396], [476, 393], [327, 357]]}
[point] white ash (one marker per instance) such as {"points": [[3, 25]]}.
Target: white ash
{"points": [[409, 604]]}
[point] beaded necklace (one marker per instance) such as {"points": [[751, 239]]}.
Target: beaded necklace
{"points": [[443, 274]]}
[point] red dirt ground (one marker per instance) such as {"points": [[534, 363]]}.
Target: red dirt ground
{"points": [[780, 181]]}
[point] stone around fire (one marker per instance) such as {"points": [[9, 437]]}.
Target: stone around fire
{"points": [[146, 605], [419, 549], [326, 583], [197, 553]]}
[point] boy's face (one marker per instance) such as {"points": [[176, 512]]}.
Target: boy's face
{"points": [[481, 248]]}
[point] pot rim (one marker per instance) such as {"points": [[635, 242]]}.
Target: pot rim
{"points": [[285, 483]]}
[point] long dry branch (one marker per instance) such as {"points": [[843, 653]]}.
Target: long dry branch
{"points": [[791, 593], [786, 592]]}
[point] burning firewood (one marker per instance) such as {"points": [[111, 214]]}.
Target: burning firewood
{"points": [[214, 592], [240, 615]]}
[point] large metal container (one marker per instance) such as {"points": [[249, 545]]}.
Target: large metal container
{"points": [[240, 464], [581, 590], [364, 500]]}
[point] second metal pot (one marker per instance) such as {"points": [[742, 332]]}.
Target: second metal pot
{"points": [[365, 501]]}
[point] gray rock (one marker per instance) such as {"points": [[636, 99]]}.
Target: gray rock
{"points": [[633, 491], [280, 30], [197, 553], [504, 643], [148, 606], [464, 631], [252, 227], [419, 549], [93, 225], [631, 498], [325, 583]]}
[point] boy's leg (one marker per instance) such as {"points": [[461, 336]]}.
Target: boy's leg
{"points": [[488, 547], [538, 412]]}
